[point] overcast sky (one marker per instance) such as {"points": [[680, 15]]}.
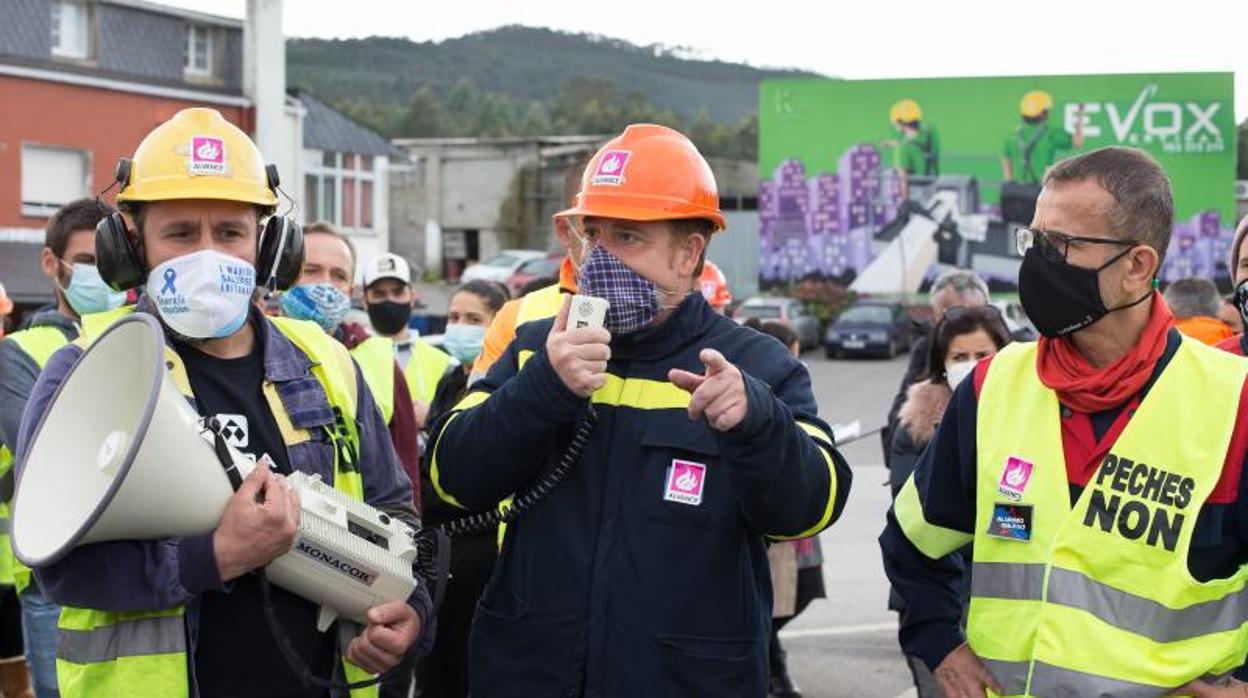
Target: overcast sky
{"points": [[845, 38]]}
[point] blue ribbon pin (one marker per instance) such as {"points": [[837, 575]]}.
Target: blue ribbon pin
{"points": [[170, 275]]}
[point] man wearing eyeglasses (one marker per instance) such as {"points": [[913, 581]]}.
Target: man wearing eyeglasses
{"points": [[1097, 474]]}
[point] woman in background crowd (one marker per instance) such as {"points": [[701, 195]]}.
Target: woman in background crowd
{"points": [[444, 671]]}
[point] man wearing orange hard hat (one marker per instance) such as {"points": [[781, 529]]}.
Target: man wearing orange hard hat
{"points": [[678, 442]]}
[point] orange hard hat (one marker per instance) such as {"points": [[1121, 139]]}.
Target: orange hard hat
{"points": [[714, 286], [648, 173]]}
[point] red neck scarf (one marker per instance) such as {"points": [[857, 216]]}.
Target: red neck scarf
{"points": [[1088, 389]]}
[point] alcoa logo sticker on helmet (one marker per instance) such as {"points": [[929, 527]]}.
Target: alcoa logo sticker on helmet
{"points": [[207, 155], [611, 167]]}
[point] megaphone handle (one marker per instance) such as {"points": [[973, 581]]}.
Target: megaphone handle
{"points": [[291, 655]]}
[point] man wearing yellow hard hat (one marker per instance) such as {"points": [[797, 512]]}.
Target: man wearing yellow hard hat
{"points": [[183, 616], [1034, 146], [680, 441], [918, 151]]}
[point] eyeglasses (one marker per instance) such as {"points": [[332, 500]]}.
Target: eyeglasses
{"points": [[958, 281], [954, 312], [1054, 246]]}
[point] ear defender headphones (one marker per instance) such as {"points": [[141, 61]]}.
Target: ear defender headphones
{"points": [[119, 256]]}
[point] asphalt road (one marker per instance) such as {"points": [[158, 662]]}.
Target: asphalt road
{"points": [[846, 645]]}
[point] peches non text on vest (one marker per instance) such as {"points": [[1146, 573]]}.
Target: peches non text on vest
{"points": [[1137, 500]]}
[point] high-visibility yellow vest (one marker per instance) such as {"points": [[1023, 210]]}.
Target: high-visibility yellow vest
{"points": [[540, 304], [143, 653], [375, 356], [1099, 600], [39, 343], [424, 369]]}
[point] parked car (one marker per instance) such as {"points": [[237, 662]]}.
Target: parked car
{"points": [[870, 327], [787, 311], [500, 266], [1021, 329], [534, 269]]}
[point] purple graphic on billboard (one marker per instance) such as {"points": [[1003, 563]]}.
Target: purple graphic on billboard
{"points": [[832, 225]]}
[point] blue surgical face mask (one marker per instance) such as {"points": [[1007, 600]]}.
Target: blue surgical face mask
{"points": [[321, 303], [87, 293], [463, 341]]}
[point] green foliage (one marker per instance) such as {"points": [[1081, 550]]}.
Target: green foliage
{"points": [[518, 81]]}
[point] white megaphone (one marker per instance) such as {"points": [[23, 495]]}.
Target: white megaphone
{"points": [[120, 455]]}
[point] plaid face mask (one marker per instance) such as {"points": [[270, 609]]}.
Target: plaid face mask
{"points": [[634, 299]]}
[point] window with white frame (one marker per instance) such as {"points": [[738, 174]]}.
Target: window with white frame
{"points": [[52, 177], [341, 188], [71, 29], [198, 54]]}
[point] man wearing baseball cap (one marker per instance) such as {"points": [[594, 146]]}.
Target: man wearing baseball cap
{"points": [[389, 298]]}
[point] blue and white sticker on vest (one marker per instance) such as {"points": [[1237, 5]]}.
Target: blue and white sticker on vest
{"points": [[1011, 522]]}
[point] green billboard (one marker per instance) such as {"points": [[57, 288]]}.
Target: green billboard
{"points": [[843, 162]]}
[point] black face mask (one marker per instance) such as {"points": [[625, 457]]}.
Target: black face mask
{"points": [[389, 317], [1241, 299], [1059, 297]]}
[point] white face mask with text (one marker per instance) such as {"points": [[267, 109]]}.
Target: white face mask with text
{"points": [[204, 295]]}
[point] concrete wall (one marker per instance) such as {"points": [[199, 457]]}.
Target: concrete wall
{"points": [[408, 212], [735, 252], [453, 187]]}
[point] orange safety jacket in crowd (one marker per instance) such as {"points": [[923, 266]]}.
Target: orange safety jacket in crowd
{"points": [[1207, 330]]}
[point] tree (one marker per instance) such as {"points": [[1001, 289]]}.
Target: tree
{"points": [[744, 142], [461, 109], [584, 105], [495, 116], [424, 117], [708, 136], [536, 121]]}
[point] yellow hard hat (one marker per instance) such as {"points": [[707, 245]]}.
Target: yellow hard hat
{"points": [[197, 154], [906, 110], [1036, 103]]}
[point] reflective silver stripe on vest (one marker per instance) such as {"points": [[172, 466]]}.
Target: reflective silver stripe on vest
{"points": [[1143, 616], [1048, 681], [1122, 610], [1011, 675], [129, 638], [1052, 681], [1015, 581]]}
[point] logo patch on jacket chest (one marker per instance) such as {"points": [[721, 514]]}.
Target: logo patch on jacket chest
{"points": [[685, 482]]}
